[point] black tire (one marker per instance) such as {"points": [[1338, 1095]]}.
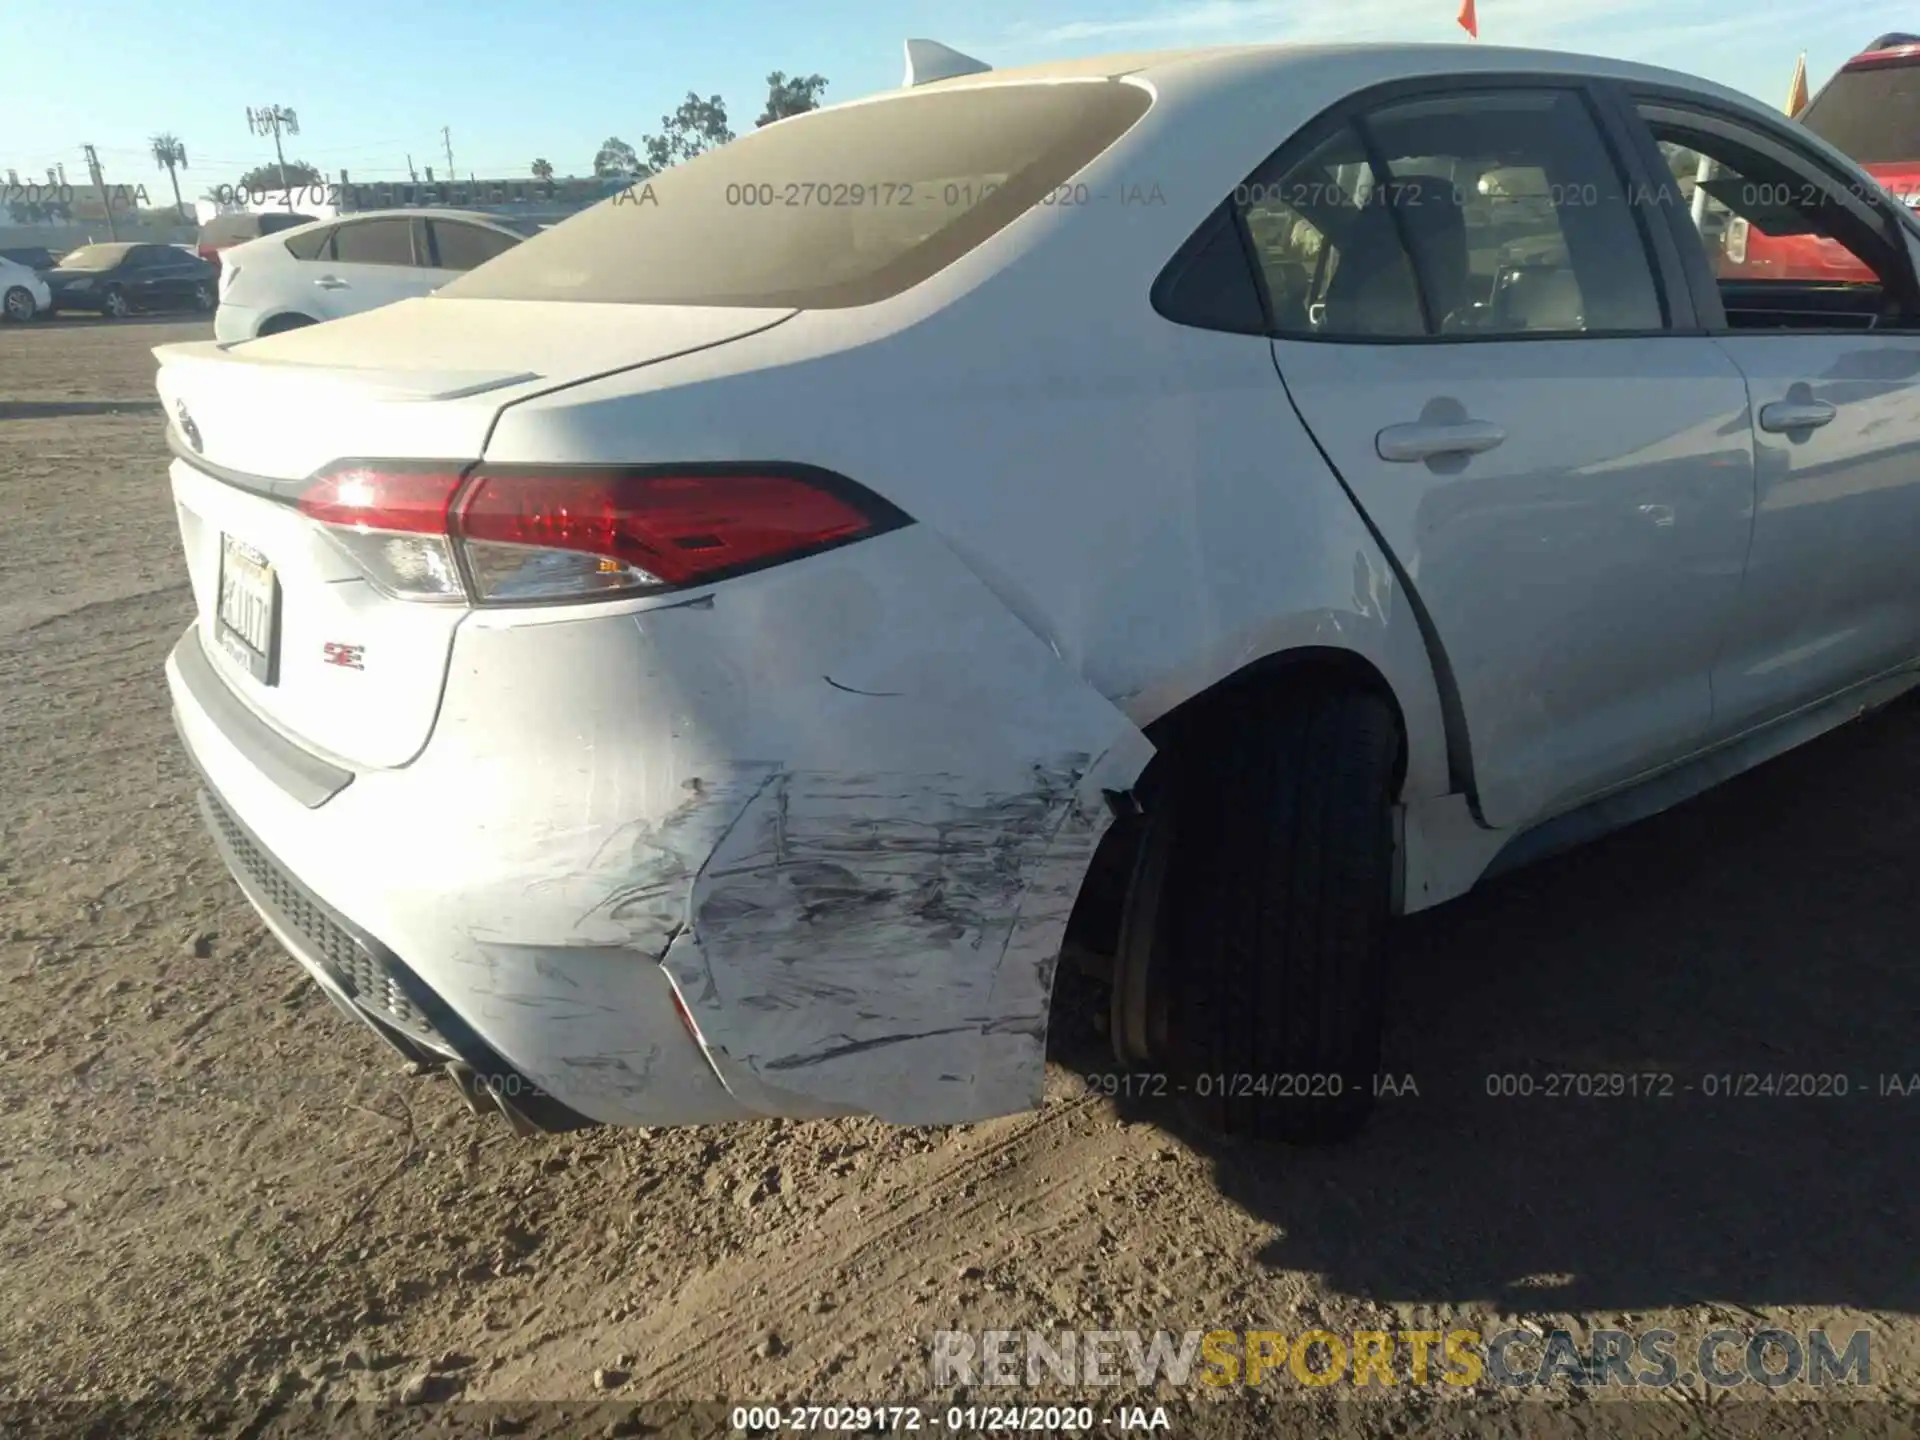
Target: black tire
{"points": [[1260, 945], [282, 323], [113, 303], [17, 306]]}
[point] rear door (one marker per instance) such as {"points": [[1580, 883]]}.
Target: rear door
{"points": [[145, 277], [1832, 363], [1484, 333], [176, 273], [366, 264]]}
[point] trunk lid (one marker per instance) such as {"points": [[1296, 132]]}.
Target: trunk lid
{"points": [[288, 620]]}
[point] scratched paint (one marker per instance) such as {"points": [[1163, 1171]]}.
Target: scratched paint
{"points": [[886, 942], [842, 813]]}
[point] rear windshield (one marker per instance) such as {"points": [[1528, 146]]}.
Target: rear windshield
{"points": [[843, 207], [1873, 114], [95, 257]]}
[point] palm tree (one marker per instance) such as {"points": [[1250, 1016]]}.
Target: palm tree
{"points": [[169, 153], [543, 170]]}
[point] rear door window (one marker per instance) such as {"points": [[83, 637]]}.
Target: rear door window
{"points": [[461, 247], [374, 242], [1466, 214], [310, 244], [842, 207]]}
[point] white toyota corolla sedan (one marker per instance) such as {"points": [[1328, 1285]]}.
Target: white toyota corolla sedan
{"points": [[1186, 508]]}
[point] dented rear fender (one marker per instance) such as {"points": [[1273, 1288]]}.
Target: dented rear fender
{"points": [[845, 804]]}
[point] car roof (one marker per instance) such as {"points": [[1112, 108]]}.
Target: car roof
{"points": [[422, 212], [1366, 62]]}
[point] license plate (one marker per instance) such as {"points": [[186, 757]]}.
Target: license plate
{"points": [[247, 623]]}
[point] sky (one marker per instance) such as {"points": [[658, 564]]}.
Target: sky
{"points": [[374, 82]]}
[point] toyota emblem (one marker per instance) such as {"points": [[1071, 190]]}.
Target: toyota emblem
{"points": [[187, 427]]}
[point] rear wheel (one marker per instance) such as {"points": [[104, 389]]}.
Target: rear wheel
{"points": [[203, 296], [17, 304], [113, 303], [1252, 963]]}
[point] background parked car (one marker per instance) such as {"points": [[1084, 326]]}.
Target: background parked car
{"points": [[118, 279], [1871, 110], [223, 232], [341, 267], [34, 257], [23, 294]]}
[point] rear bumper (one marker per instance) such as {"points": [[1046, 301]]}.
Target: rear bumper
{"points": [[371, 983], [803, 846], [595, 1036]]}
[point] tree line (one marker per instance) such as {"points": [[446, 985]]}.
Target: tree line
{"points": [[698, 125]]}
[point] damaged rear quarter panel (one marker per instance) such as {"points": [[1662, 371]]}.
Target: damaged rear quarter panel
{"points": [[847, 805]]}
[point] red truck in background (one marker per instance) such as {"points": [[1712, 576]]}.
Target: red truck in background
{"points": [[1870, 109]]}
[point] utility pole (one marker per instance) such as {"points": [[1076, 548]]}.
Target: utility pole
{"points": [[100, 184], [272, 120]]}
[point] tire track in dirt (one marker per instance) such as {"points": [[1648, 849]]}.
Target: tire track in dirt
{"points": [[736, 1295]]}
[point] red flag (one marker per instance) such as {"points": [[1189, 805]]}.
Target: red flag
{"points": [[1469, 21]]}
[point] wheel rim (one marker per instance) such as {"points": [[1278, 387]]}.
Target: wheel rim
{"points": [[116, 303], [19, 304], [203, 297]]}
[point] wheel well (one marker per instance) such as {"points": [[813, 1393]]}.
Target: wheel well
{"points": [[1093, 929], [288, 321], [1198, 717]]}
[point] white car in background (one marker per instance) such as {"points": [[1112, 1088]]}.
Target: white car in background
{"points": [[23, 294], [332, 268], [1183, 508]]}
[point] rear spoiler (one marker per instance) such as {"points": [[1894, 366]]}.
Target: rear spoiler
{"points": [[368, 381]]}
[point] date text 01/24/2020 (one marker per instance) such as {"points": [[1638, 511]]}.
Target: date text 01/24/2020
{"points": [[1157, 1085], [956, 1419]]}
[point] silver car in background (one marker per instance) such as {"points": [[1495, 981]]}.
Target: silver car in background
{"points": [[352, 263]]}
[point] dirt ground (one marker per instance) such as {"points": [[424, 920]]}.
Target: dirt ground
{"points": [[220, 1196]]}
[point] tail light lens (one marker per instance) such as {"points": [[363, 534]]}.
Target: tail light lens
{"points": [[518, 535], [1737, 240], [392, 523]]}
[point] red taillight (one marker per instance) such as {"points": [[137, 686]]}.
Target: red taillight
{"points": [[366, 497], [677, 528], [515, 535]]}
